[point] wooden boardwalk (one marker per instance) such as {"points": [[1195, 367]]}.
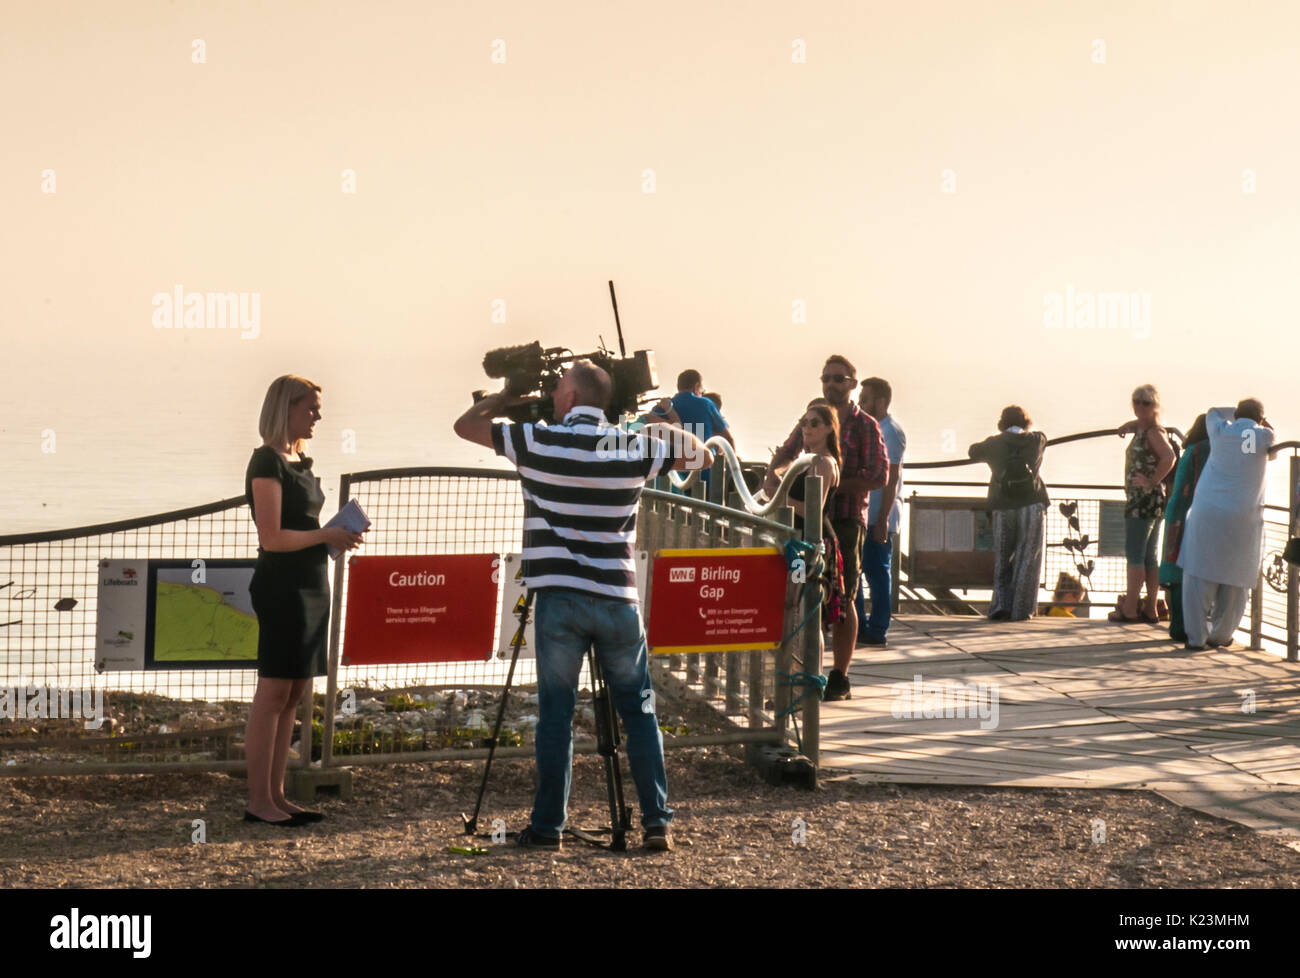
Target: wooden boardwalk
{"points": [[1079, 704]]}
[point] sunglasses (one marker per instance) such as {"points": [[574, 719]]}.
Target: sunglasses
{"points": [[836, 378], [812, 422], [1137, 403]]}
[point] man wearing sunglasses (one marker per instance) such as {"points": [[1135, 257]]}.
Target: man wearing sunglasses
{"points": [[864, 466]]}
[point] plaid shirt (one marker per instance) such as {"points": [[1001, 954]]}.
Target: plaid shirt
{"points": [[862, 453]]}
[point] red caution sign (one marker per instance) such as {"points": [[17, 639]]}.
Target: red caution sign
{"points": [[421, 609], [716, 600]]}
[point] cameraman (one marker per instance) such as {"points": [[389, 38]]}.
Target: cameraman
{"points": [[581, 480]]}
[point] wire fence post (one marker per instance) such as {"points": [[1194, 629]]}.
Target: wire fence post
{"points": [[332, 674]]}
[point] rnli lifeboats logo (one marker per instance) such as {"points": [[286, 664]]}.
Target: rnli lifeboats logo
{"points": [[126, 580]]}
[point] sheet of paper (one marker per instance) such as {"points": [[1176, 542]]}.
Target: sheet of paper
{"points": [[959, 530], [928, 527]]}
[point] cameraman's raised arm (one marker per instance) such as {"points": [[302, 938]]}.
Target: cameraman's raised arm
{"points": [[476, 424], [689, 452]]}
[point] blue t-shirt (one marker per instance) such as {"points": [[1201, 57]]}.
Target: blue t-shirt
{"points": [[700, 413], [895, 445], [702, 418]]}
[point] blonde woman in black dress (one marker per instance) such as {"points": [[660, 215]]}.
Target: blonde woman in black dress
{"points": [[290, 590]]}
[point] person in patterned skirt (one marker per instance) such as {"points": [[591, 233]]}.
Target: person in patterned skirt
{"points": [[1018, 499]]}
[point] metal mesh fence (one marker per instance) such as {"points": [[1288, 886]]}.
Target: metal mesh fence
{"points": [[48, 610], [195, 717], [1275, 569], [1108, 572], [1108, 578], [385, 711]]}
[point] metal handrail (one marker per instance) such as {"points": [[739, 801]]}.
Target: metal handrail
{"points": [[118, 526], [751, 505], [1063, 440]]}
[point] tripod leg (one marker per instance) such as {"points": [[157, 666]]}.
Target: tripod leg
{"points": [[607, 741], [471, 822]]}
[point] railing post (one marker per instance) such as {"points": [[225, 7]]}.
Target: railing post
{"points": [[784, 659], [734, 704], [1292, 578], [811, 639], [718, 480], [1257, 612], [710, 539]]}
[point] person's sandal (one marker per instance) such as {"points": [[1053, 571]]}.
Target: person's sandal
{"points": [[1118, 616]]}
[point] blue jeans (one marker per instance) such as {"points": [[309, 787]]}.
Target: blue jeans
{"points": [[875, 575], [567, 624]]}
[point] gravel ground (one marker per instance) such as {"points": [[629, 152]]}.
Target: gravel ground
{"points": [[731, 829]]}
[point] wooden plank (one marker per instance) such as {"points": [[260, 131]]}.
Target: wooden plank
{"points": [[1080, 704]]}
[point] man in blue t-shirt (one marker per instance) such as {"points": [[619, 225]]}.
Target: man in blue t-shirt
{"points": [[694, 411], [882, 518]]}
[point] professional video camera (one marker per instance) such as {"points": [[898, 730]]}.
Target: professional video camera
{"points": [[532, 370]]}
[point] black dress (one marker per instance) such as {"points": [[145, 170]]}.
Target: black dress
{"points": [[290, 590]]}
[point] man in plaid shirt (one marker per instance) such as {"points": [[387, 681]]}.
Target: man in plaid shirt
{"points": [[864, 466]]}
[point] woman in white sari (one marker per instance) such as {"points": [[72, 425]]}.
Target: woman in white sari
{"points": [[1222, 541]]}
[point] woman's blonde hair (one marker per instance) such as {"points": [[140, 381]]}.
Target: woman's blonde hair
{"points": [[283, 393], [1147, 392]]}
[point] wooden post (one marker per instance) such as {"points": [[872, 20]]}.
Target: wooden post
{"points": [[810, 642], [1292, 578], [785, 654]]}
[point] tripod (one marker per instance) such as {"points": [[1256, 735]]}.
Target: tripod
{"points": [[607, 743]]}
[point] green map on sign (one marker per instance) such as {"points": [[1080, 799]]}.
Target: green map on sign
{"points": [[196, 621]]}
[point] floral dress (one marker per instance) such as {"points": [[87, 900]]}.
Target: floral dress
{"points": [[1139, 459]]}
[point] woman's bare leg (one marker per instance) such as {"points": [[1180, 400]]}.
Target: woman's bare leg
{"points": [[1136, 575], [260, 740], [1153, 592], [280, 762]]}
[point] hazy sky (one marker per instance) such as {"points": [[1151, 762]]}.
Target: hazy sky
{"points": [[1089, 146]]}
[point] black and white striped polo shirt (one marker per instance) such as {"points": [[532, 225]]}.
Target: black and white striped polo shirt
{"points": [[582, 480]]}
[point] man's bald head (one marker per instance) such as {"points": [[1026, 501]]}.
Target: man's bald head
{"points": [[591, 385]]}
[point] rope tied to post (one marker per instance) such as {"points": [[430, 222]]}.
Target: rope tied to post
{"points": [[808, 682], [811, 557]]}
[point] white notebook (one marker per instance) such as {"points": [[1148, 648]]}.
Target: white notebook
{"points": [[351, 517]]}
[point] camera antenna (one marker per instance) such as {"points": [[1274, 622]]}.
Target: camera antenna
{"points": [[622, 350]]}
